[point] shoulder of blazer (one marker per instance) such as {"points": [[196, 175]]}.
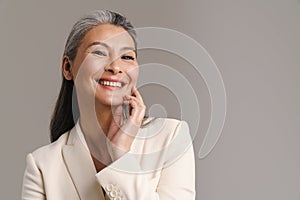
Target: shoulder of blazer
{"points": [[164, 123], [156, 134], [50, 150], [152, 121]]}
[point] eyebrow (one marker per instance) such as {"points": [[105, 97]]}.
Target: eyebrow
{"points": [[108, 47]]}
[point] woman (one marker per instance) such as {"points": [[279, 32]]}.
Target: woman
{"points": [[108, 154]]}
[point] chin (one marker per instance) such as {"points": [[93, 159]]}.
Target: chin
{"points": [[109, 102]]}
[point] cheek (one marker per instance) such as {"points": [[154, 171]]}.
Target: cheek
{"points": [[133, 74], [89, 69]]}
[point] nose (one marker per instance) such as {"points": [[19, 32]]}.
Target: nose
{"points": [[114, 67]]}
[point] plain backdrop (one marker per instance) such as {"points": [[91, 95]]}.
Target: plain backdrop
{"points": [[255, 44]]}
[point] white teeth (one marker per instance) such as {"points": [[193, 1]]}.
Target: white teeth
{"points": [[109, 83]]}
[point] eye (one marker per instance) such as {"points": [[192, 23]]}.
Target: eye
{"points": [[125, 57], [99, 53]]}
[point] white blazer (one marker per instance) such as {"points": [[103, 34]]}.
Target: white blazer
{"points": [[159, 166]]}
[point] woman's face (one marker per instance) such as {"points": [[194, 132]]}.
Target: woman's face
{"points": [[105, 67]]}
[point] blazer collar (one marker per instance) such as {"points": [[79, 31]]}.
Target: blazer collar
{"points": [[81, 168]]}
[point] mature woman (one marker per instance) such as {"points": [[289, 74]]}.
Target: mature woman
{"points": [[112, 151]]}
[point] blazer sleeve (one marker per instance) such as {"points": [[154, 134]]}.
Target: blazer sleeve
{"points": [[176, 181], [33, 188]]}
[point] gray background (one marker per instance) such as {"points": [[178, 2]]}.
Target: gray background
{"points": [[255, 44]]}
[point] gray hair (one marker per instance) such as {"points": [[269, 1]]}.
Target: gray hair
{"points": [[91, 20]]}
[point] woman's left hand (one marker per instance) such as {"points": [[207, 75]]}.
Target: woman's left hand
{"points": [[120, 137]]}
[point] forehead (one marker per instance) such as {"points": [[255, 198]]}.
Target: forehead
{"points": [[116, 36]]}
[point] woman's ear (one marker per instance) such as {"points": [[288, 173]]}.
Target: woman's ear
{"points": [[67, 68]]}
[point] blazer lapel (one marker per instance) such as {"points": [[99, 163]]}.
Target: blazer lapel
{"points": [[81, 168]]}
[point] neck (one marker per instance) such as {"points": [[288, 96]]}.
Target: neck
{"points": [[104, 116], [95, 125], [96, 121]]}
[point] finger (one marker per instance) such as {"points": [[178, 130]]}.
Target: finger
{"points": [[133, 103], [126, 102], [138, 102], [130, 102], [128, 97], [138, 95], [133, 98], [135, 91]]}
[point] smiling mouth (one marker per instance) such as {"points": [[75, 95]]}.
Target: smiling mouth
{"points": [[110, 83]]}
